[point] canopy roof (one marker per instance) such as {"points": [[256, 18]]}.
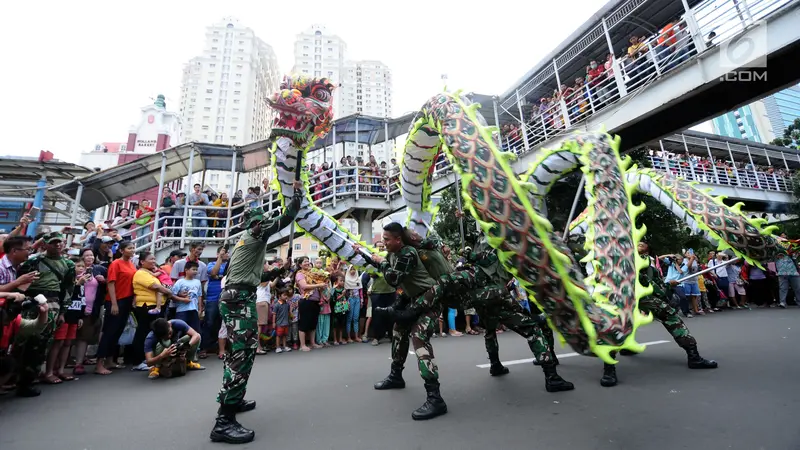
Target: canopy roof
{"points": [[116, 183]]}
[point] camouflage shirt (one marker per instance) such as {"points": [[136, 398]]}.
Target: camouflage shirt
{"points": [[246, 263], [405, 270], [55, 275]]}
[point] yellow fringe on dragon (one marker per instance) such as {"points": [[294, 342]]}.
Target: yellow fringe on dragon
{"points": [[506, 209]]}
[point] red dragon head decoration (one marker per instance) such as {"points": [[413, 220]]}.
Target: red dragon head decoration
{"points": [[304, 107]]}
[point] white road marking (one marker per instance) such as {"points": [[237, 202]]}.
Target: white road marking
{"points": [[565, 355]]}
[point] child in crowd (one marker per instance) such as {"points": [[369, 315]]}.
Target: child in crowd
{"points": [[280, 320], [352, 283], [166, 281], [324, 318], [67, 331], [190, 288], [294, 308], [341, 305]]}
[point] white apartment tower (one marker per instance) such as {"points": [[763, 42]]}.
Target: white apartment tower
{"points": [[224, 91], [364, 87]]}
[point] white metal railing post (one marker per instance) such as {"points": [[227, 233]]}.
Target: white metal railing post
{"points": [[686, 148], [228, 220], [752, 164], [785, 164], [386, 152], [522, 123], [562, 104], [653, 56], [713, 165], [158, 202], [694, 29], [186, 199], [497, 122], [74, 217], [334, 165], [589, 96], [356, 158], [615, 67], [733, 164]]}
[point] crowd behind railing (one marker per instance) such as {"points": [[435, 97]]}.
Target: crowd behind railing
{"points": [[646, 59], [720, 171]]}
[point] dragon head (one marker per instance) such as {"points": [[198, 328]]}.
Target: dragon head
{"points": [[304, 107]]}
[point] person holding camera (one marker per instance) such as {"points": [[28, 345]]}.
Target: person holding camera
{"points": [[56, 282], [13, 326], [170, 348]]}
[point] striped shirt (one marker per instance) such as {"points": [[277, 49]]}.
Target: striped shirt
{"points": [[7, 271]]}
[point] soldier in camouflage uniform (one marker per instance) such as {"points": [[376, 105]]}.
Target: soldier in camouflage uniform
{"points": [[55, 281], [482, 284], [237, 306], [405, 270], [664, 313]]}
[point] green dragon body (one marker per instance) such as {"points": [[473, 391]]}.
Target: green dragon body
{"points": [[594, 316]]}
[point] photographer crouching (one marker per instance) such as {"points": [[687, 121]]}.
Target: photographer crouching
{"points": [[13, 326], [170, 348]]}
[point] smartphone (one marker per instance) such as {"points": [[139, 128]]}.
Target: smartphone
{"points": [[33, 212], [73, 231]]}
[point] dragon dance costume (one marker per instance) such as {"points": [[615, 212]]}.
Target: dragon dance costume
{"points": [[406, 271]]}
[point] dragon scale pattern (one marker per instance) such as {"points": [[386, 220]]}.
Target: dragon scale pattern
{"points": [[503, 206]]}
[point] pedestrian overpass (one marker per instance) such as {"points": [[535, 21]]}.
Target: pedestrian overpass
{"points": [[674, 82]]}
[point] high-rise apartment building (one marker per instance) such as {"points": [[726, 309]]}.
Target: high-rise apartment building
{"points": [[363, 87], [224, 91], [762, 120]]}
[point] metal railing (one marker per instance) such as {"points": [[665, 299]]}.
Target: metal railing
{"points": [[180, 224], [647, 61], [700, 170]]}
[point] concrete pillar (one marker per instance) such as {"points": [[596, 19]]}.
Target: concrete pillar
{"points": [[364, 219]]}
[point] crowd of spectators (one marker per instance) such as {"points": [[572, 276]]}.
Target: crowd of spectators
{"points": [[703, 169], [110, 308], [734, 286], [643, 59], [208, 210]]}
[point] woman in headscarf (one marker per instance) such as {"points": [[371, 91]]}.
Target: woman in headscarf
{"points": [[352, 286]]}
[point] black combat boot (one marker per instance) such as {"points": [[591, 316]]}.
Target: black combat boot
{"points": [[497, 368], [228, 430], [245, 405], [609, 375], [552, 356], [393, 381], [553, 381], [434, 405], [696, 361]]}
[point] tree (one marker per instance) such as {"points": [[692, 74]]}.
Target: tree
{"points": [[792, 228], [447, 224], [791, 136]]}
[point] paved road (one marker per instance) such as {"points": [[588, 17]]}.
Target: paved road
{"points": [[325, 400]]}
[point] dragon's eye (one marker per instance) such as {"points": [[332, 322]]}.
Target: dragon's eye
{"points": [[322, 95]]}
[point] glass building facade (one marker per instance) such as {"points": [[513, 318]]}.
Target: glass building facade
{"points": [[781, 109]]}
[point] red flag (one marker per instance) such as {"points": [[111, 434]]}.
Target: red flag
{"points": [[45, 155]]}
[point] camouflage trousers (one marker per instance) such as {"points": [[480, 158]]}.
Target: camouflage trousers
{"points": [[237, 307], [495, 305], [175, 366], [668, 316], [419, 334], [29, 353], [503, 310]]}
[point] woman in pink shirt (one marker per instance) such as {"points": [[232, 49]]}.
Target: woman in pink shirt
{"points": [[89, 333]]}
